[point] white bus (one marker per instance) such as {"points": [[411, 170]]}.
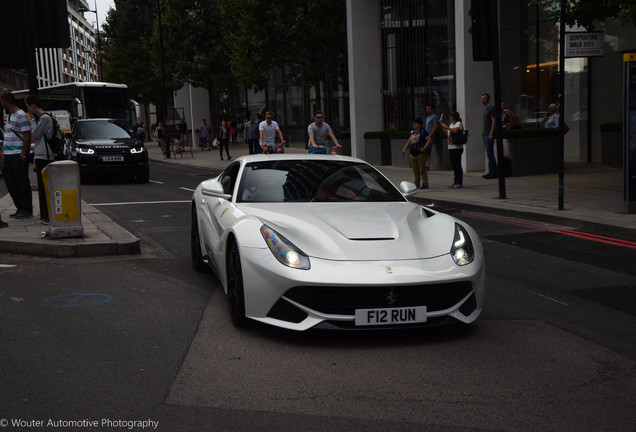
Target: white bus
{"points": [[86, 100]]}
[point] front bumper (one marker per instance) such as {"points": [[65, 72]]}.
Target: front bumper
{"points": [[329, 293]]}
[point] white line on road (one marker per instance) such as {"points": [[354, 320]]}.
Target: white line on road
{"points": [[141, 202], [155, 181], [551, 299], [187, 189]]}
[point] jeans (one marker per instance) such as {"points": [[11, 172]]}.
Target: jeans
{"points": [[456, 161], [16, 177], [252, 145], [490, 152], [40, 164], [224, 142]]}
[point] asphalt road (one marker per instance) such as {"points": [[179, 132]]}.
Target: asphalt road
{"points": [[140, 338]]}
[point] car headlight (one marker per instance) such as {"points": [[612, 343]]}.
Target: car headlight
{"points": [[284, 250], [85, 150], [462, 250], [136, 150]]}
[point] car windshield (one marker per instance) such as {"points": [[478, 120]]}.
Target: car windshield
{"points": [[314, 180], [99, 129]]}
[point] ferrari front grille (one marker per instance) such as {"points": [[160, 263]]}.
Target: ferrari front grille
{"points": [[344, 300]]}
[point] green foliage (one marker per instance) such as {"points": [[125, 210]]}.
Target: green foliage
{"points": [[217, 44], [308, 36], [126, 48], [586, 12]]}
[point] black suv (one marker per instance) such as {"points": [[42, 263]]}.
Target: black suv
{"points": [[105, 147]]}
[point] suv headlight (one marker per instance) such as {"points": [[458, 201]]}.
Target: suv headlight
{"points": [[136, 150], [462, 249], [284, 250]]}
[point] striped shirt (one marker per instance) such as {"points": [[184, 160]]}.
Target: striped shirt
{"points": [[20, 123]]}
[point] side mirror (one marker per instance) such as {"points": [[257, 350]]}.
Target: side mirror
{"points": [[214, 188], [408, 188]]}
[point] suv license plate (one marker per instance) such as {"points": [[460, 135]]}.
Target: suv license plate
{"points": [[386, 316], [112, 158]]}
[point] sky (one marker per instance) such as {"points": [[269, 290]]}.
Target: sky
{"points": [[102, 9]]}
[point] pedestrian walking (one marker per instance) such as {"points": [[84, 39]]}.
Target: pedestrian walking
{"points": [[488, 136], [417, 144], [455, 151], [233, 130], [224, 140], [250, 136], [319, 133], [14, 156], [181, 138], [204, 134], [161, 137]]}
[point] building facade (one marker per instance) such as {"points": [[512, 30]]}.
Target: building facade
{"points": [[78, 62], [404, 54]]}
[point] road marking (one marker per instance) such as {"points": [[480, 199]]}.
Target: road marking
{"points": [[551, 299], [187, 189], [563, 231], [141, 202], [155, 181], [7, 265], [77, 300], [597, 238]]}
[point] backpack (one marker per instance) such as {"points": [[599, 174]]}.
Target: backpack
{"points": [[56, 142]]}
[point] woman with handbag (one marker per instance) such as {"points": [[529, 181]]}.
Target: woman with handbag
{"points": [[457, 137]]}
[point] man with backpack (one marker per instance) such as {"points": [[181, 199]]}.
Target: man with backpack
{"points": [[43, 154], [15, 151]]}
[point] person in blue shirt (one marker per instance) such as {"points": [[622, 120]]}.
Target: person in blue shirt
{"points": [[431, 126]]}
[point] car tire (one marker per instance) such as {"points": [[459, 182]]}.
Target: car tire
{"points": [[195, 244], [235, 292], [144, 175]]}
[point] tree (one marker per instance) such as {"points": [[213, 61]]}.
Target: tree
{"points": [[586, 13], [307, 36], [126, 48], [196, 48]]}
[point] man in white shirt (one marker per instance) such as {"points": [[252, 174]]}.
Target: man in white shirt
{"points": [[553, 119], [267, 132], [15, 164]]}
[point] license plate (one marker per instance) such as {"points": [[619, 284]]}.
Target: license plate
{"points": [[385, 316], [113, 158]]}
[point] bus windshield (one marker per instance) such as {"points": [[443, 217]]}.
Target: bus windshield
{"points": [[104, 102]]}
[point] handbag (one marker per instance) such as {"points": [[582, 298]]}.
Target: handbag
{"points": [[461, 137], [215, 143]]}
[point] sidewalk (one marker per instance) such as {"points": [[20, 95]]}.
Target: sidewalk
{"points": [[592, 192], [592, 196]]}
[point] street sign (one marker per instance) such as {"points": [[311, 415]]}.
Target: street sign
{"points": [[584, 44]]}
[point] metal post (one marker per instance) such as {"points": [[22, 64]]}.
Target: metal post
{"points": [[561, 100], [162, 96], [494, 8]]}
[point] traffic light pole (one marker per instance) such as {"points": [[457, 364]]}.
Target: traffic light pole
{"points": [[496, 72], [562, 102]]}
